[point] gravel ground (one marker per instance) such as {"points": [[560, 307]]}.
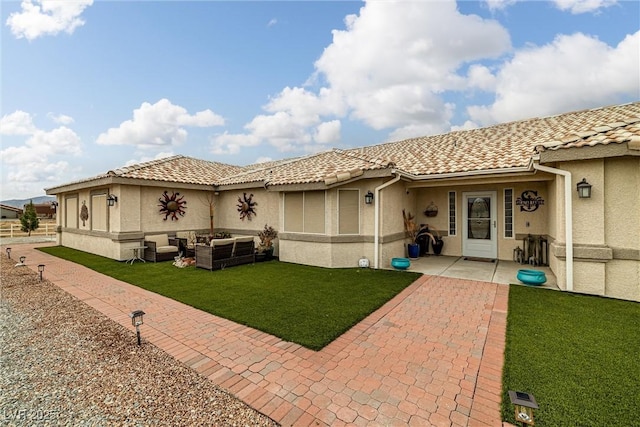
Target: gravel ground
{"points": [[63, 363]]}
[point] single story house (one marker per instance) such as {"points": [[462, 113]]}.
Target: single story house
{"points": [[487, 191], [10, 212]]}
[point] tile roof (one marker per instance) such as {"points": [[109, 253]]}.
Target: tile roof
{"points": [[508, 145], [502, 146], [329, 167], [180, 169]]}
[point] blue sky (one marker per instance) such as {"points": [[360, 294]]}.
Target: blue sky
{"points": [[88, 86]]}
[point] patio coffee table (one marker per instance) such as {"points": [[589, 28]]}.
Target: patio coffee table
{"points": [[136, 254]]}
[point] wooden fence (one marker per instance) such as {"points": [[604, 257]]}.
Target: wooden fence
{"points": [[13, 230]]}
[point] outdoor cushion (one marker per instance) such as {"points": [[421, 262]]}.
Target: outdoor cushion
{"points": [[158, 239], [243, 239], [220, 242]]}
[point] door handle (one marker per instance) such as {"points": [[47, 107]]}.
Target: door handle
{"points": [[494, 224]]}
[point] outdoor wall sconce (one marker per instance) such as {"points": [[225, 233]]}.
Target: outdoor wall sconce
{"points": [[584, 189], [111, 200], [54, 205], [41, 270], [368, 198], [524, 404], [9, 253], [136, 320]]}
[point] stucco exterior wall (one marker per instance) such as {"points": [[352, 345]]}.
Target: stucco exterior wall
{"points": [[606, 229]]}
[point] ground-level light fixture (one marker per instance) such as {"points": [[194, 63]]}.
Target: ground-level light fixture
{"points": [[41, 270], [137, 320], [584, 189], [524, 404], [368, 198], [112, 200], [8, 253]]}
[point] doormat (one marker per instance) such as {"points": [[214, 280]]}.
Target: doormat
{"points": [[469, 258]]}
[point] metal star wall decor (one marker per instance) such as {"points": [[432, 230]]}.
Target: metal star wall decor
{"points": [[246, 206], [172, 206]]}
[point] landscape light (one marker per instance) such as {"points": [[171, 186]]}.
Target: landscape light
{"points": [[136, 320], [524, 404]]}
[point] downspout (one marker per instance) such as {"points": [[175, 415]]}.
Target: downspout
{"points": [[376, 222], [568, 219]]}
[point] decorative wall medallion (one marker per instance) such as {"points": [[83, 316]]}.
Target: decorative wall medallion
{"points": [[529, 201], [172, 206], [246, 206], [84, 213]]}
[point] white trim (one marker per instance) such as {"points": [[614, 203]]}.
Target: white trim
{"points": [[484, 248], [455, 213], [504, 215], [568, 219], [376, 221]]}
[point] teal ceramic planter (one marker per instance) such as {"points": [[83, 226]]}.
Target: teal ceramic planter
{"points": [[400, 263], [531, 277]]}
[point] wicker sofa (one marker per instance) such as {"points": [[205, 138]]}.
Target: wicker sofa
{"points": [[223, 253], [159, 247]]}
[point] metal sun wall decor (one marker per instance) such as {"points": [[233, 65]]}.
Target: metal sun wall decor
{"points": [[246, 206], [84, 213], [172, 206], [529, 201]]}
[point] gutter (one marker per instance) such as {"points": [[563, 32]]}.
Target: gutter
{"points": [[568, 219], [376, 232]]}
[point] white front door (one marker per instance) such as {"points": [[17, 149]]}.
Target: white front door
{"points": [[479, 229]]}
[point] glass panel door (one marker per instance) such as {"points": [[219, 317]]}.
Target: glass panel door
{"points": [[479, 218]]}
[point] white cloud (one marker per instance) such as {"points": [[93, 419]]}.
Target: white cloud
{"points": [[158, 125], [34, 164], [272, 22], [142, 159], [60, 118], [17, 123], [47, 17], [387, 69], [573, 72], [42, 145], [327, 132], [583, 6], [232, 143]]}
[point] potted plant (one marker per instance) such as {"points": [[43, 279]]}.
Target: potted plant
{"points": [[436, 240], [411, 228], [265, 247]]}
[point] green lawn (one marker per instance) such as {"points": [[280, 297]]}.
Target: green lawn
{"points": [[310, 306], [578, 355]]}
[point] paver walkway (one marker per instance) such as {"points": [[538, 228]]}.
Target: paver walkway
{"points": [[432, 355]]}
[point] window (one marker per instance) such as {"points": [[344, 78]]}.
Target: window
{"points": [[304, 212], [71, 212], [452, 213], [348, 212], [99, 212], [508, 213]]}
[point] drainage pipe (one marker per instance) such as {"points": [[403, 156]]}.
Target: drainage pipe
{"points": [[568, 220], [376, 222]]}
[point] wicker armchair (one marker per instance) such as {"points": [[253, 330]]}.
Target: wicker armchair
{"points": [[160, 248]]}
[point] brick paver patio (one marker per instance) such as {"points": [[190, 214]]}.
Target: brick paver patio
{"points": [[432, 355]]}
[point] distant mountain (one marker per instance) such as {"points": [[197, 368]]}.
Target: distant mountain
{"points": [[16, 203]]}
